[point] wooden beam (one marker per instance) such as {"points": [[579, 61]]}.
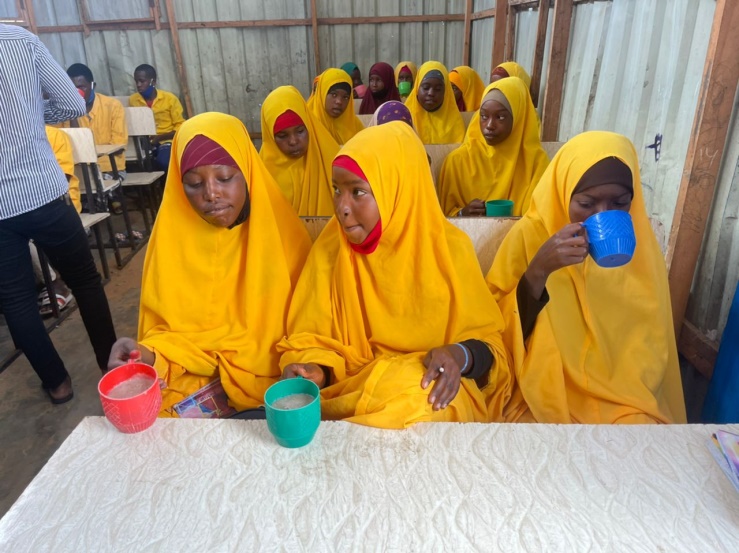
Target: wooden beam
{"points": [[314, 29], [510, 41], [499, 32], [168, 5], [698, 349], [156, 14], [25, 7], [556, 70], [705, 150], [484, 14], [433, 18], [467, 32], [243, 24], [84, 17], [541, 38]]}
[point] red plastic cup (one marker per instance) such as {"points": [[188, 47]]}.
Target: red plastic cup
{"points": [[136, 413]]}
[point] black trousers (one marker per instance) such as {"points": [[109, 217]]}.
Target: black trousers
{"points": [[57, 230]]}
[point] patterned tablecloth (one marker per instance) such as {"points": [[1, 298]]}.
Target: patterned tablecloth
{"points": [[199, 485]]}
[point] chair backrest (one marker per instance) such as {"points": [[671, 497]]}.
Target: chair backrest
{"points": [[357, 103], [467, 117], [140, 121], [486, 233], [438, 153], [83, 145], [123, 100], [365, 119], [551, 148]]}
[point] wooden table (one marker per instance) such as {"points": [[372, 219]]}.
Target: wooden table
{"points": [[203, 485]]}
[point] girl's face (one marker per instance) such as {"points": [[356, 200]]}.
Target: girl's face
{"points": [[216, 192], [496, 122], [603, 197], [457, 93], [431, 94], [293, 141], [376, 84], [336, 102], [354, 204]]}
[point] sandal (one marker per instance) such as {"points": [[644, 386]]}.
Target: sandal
{"points": [[45, 303], [122, 237]]}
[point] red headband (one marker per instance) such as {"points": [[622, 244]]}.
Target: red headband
{"points": [[202, 150], [405, 69], [287, 120], [345, 162]]}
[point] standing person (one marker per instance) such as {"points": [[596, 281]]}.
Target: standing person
{"points": [[382, 88], [167, 112], [33, 206]]}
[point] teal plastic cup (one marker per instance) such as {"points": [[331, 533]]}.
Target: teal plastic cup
{"points": [[404, 88], [293, 427], [499, 208]]}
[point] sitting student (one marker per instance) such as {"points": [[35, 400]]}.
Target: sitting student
{"points": [[332, 104], [61, 145], [501, 157], [589, 344], [391, 317], [105, 117], [431, 103], [467, 86], [382, 88], [220, 269], [405, 72], [355, 75], [391, 111], [510, 69], [167, 112], [297, 150]]}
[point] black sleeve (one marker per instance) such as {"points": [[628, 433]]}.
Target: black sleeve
{"points": [[528, 306], [481, 359]]}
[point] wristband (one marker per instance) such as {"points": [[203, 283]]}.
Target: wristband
{"points": [[466, 359]]}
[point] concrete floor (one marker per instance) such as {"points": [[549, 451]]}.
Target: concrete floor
{"points": [[31, 428]]}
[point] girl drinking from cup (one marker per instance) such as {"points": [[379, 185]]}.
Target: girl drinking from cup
{"points": [[590, 344], [220, 269], [501, 157], [391, 317]]}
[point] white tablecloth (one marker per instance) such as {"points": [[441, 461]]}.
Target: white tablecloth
{"points": [[192, 485]]}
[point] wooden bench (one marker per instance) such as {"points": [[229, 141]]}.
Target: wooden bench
{"points": [[123, 100]]}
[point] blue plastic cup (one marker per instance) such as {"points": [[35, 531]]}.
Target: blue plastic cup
{"points": [[293, 427], [611, 238]]}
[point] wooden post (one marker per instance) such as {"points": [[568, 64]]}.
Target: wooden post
{"points": [[178, 55], [314, 28], [499, 32], [467, 32], [156, 14], [556, 70], [25, 11], [706, 148], [84, 16], [541, 38], [510, 41]]}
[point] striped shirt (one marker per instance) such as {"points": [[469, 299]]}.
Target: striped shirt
{"points": [[30, 177]]}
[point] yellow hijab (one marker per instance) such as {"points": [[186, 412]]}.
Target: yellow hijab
{"points": [[508, 171], [306, 182], [214, 301], [469, 82], [345, 126], [401, 65], [443, 126], [515, 70], [603, 349], [421, 288]]}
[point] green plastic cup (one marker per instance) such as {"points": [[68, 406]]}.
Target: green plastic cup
{"points": [[499, 208], [293, 427], [404, 88]]}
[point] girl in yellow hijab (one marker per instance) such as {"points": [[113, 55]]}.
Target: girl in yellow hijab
{"points": [[405, 71], [467, 86], [391, 315], [298, 150], [510, 69], [333, 105], [433, 107], [222, 262], [602, 350], [501, 157]]}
